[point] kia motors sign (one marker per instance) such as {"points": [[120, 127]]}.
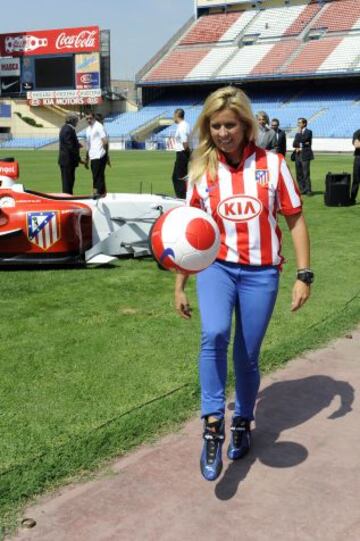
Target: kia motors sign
{"points": [[77, 100], [9, 67], [43, 42]]}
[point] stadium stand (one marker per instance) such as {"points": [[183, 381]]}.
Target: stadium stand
{"points": [[338, 18], [275, 58], [313, 54], [211, 28], [273, 23], [245, 60], [178, 64], [294, 39], [211, 63], [307, 15], [27, 142]]}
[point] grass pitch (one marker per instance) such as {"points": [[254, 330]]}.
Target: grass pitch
{"points": [[95, 361]]}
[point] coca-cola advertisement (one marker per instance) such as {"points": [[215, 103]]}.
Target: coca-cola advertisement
{"points": [[43, 42]]}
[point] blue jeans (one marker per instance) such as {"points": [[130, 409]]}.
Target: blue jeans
{"points": [[251, 292]]}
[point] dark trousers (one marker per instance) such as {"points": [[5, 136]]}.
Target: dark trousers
{"points": [[180, 173], [98, 174], [303, 174], [67, 178], [355, 179]]}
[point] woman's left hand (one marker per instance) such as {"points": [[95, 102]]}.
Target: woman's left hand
{"points": [[300, 294]]}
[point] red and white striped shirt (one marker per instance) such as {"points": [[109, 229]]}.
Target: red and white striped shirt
{"points": [[244, 203]]}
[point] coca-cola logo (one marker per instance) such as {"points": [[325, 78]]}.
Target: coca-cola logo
{"points": [[83, 40]]}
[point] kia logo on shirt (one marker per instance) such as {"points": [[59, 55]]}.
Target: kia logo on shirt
{"points": [[239, 208]]}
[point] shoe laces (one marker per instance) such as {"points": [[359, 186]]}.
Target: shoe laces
{"points": [[213, 439], [238, 428]]}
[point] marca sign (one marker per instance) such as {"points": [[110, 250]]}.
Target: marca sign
{"points": [[9, 67], [41, 42], [239, 208]]}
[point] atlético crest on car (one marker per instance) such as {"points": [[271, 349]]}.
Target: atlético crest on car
{"points": [[43, 228], [262, 176]]}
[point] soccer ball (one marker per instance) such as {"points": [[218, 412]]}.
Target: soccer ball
{"points": [[185, 239]]}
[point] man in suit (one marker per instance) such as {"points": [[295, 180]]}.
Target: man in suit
{"points": [[280, 137], [266, 136], [303, 156], [69, 153]]}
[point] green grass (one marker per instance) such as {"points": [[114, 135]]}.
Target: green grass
{"points": [[95, 361]]}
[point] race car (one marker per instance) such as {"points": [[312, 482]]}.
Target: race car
{"points": [[41, 228]]}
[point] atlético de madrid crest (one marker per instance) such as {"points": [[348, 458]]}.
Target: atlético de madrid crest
{"points": [[43, 228], [262, 176]]}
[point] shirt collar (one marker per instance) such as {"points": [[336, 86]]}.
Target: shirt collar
{"points": [[248, 150]]}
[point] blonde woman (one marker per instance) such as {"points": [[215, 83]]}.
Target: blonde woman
{"points": [[243, 187]]}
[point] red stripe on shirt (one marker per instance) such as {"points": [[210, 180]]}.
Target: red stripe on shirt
{"points": [[242, 230], [214, 198]]}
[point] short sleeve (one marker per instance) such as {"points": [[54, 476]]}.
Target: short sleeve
{"points": [[288, 195], [183, 133], [102, 132]]}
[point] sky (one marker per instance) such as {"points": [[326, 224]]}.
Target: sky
{"points": [[139, 28]]}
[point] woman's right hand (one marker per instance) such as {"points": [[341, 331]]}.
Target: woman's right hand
{"points": [[182, 305]]}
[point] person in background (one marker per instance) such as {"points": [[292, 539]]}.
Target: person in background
{"points": [[280, 137], [182, 147], [303, 155], [356, 167], [97, 147], [69, 153], [266, 136], [99, 117], [243, 187]]}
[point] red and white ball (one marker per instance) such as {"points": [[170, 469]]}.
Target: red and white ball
{"points": [[185, 239]]}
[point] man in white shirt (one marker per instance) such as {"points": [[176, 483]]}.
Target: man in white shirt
{"points": [[97, 148], [182, 147]]}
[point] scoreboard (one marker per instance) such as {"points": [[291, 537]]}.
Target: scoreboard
{"points": [[54, 65]]}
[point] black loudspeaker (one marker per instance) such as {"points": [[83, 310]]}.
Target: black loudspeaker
{"points": [[337, 189]]}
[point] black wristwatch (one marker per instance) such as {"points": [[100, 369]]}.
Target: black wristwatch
{"points": [[305, 275]]}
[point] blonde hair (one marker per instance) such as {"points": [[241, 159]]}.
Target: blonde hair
{"points": [[205, 157]]}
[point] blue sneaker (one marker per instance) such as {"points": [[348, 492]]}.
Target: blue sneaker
{"points": [[211, 459], [240, 441]]}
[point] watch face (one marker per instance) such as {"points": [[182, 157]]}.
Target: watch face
{"points": [[307, 277]]}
